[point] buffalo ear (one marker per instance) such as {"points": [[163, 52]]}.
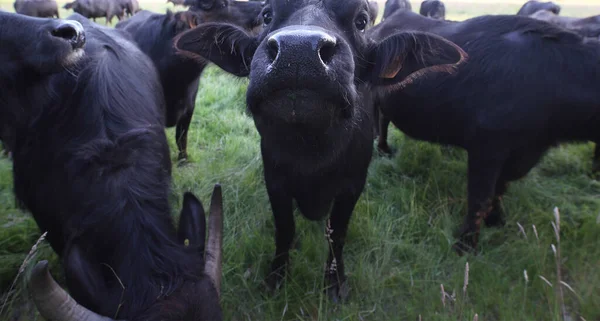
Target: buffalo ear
{"points": [[192, 223], [225, 45], [403, 57]]}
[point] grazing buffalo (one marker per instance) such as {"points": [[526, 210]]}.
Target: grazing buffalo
{"points": [[179, 76], [433, 9], [504, 106], [309, 72], [587, 27], [242, 13], [533, 6], [91, 163], [392, 6], [37, 8], [129, 7], [97, 9], [373, 11]]}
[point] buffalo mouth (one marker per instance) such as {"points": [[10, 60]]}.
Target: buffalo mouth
{"points": [[301, 107]]}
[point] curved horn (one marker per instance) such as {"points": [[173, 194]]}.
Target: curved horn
{"points": [[214, 250], [53, 302]]}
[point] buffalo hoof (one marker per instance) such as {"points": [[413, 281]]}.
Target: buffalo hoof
{"points": [[182, 161], [274, 280], [496, 218], [338, 291], [465, 245]]}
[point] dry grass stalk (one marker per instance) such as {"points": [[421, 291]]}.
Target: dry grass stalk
{"points": [[545, 280], [22, 268], [522, 230], [535, 232], [476, 317], [559, 289], [443, 295], [466, 282], [526, 276]]}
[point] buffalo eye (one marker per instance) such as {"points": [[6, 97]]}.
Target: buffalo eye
{"points": [[267, 17], [361, 22]]}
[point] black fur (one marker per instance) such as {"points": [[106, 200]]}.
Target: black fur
{"points": [[91, 163], [526, 86], [308, 94], [241, 13], [39, 8]]}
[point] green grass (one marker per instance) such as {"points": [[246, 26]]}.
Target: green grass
{"points": [[398, 250]]}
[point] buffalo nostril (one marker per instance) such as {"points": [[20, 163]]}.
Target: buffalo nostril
{"points": [[273, 48], [71, 31], [327, 50]]}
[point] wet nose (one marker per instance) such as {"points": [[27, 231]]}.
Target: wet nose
{"points": [[314, 46], [71, 31]]}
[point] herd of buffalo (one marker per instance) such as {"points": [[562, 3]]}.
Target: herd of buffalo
{"points": [[83, 109]]}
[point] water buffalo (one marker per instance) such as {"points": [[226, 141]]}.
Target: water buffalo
{"points": [[587, 27], [533, 6], [97, 9], [92, 165], [433, 9], [180, 76], [373, 11], [154, 34], [392, 6], [241, 13], [497, 106], [129, 7], [37, 8], [309, 96]]}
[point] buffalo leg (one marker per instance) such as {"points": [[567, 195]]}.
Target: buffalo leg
{"points": [[337, 228], [382, 144], [181, 133], [285, 229], [483, 172], [496, 216]]}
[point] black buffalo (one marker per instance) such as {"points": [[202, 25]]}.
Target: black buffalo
{"points": [[179, 76], [97, 9], [177, 2], [392, 6], [587, 27], [308, 94], [533, 6], [504, 106], [129, 7], [242, 13], [433, 9], [37, 8], [91, 163]]}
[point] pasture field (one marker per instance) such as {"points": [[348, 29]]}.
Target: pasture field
{"points": [[398, 253]]}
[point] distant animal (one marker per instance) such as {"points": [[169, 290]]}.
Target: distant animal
{"points": [[37, 8], [433, 9], [177, 2], [89, 128], [373, 12], [246, 14], [311, 71], [587, 27], [129, 7], [392, 6], [505, 135], [97, 9], [533, 6]]}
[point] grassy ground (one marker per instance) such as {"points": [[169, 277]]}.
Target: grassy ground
{"points": [[398, 253]]}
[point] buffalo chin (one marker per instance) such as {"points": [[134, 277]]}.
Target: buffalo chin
{"points": [[301, 107]]}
